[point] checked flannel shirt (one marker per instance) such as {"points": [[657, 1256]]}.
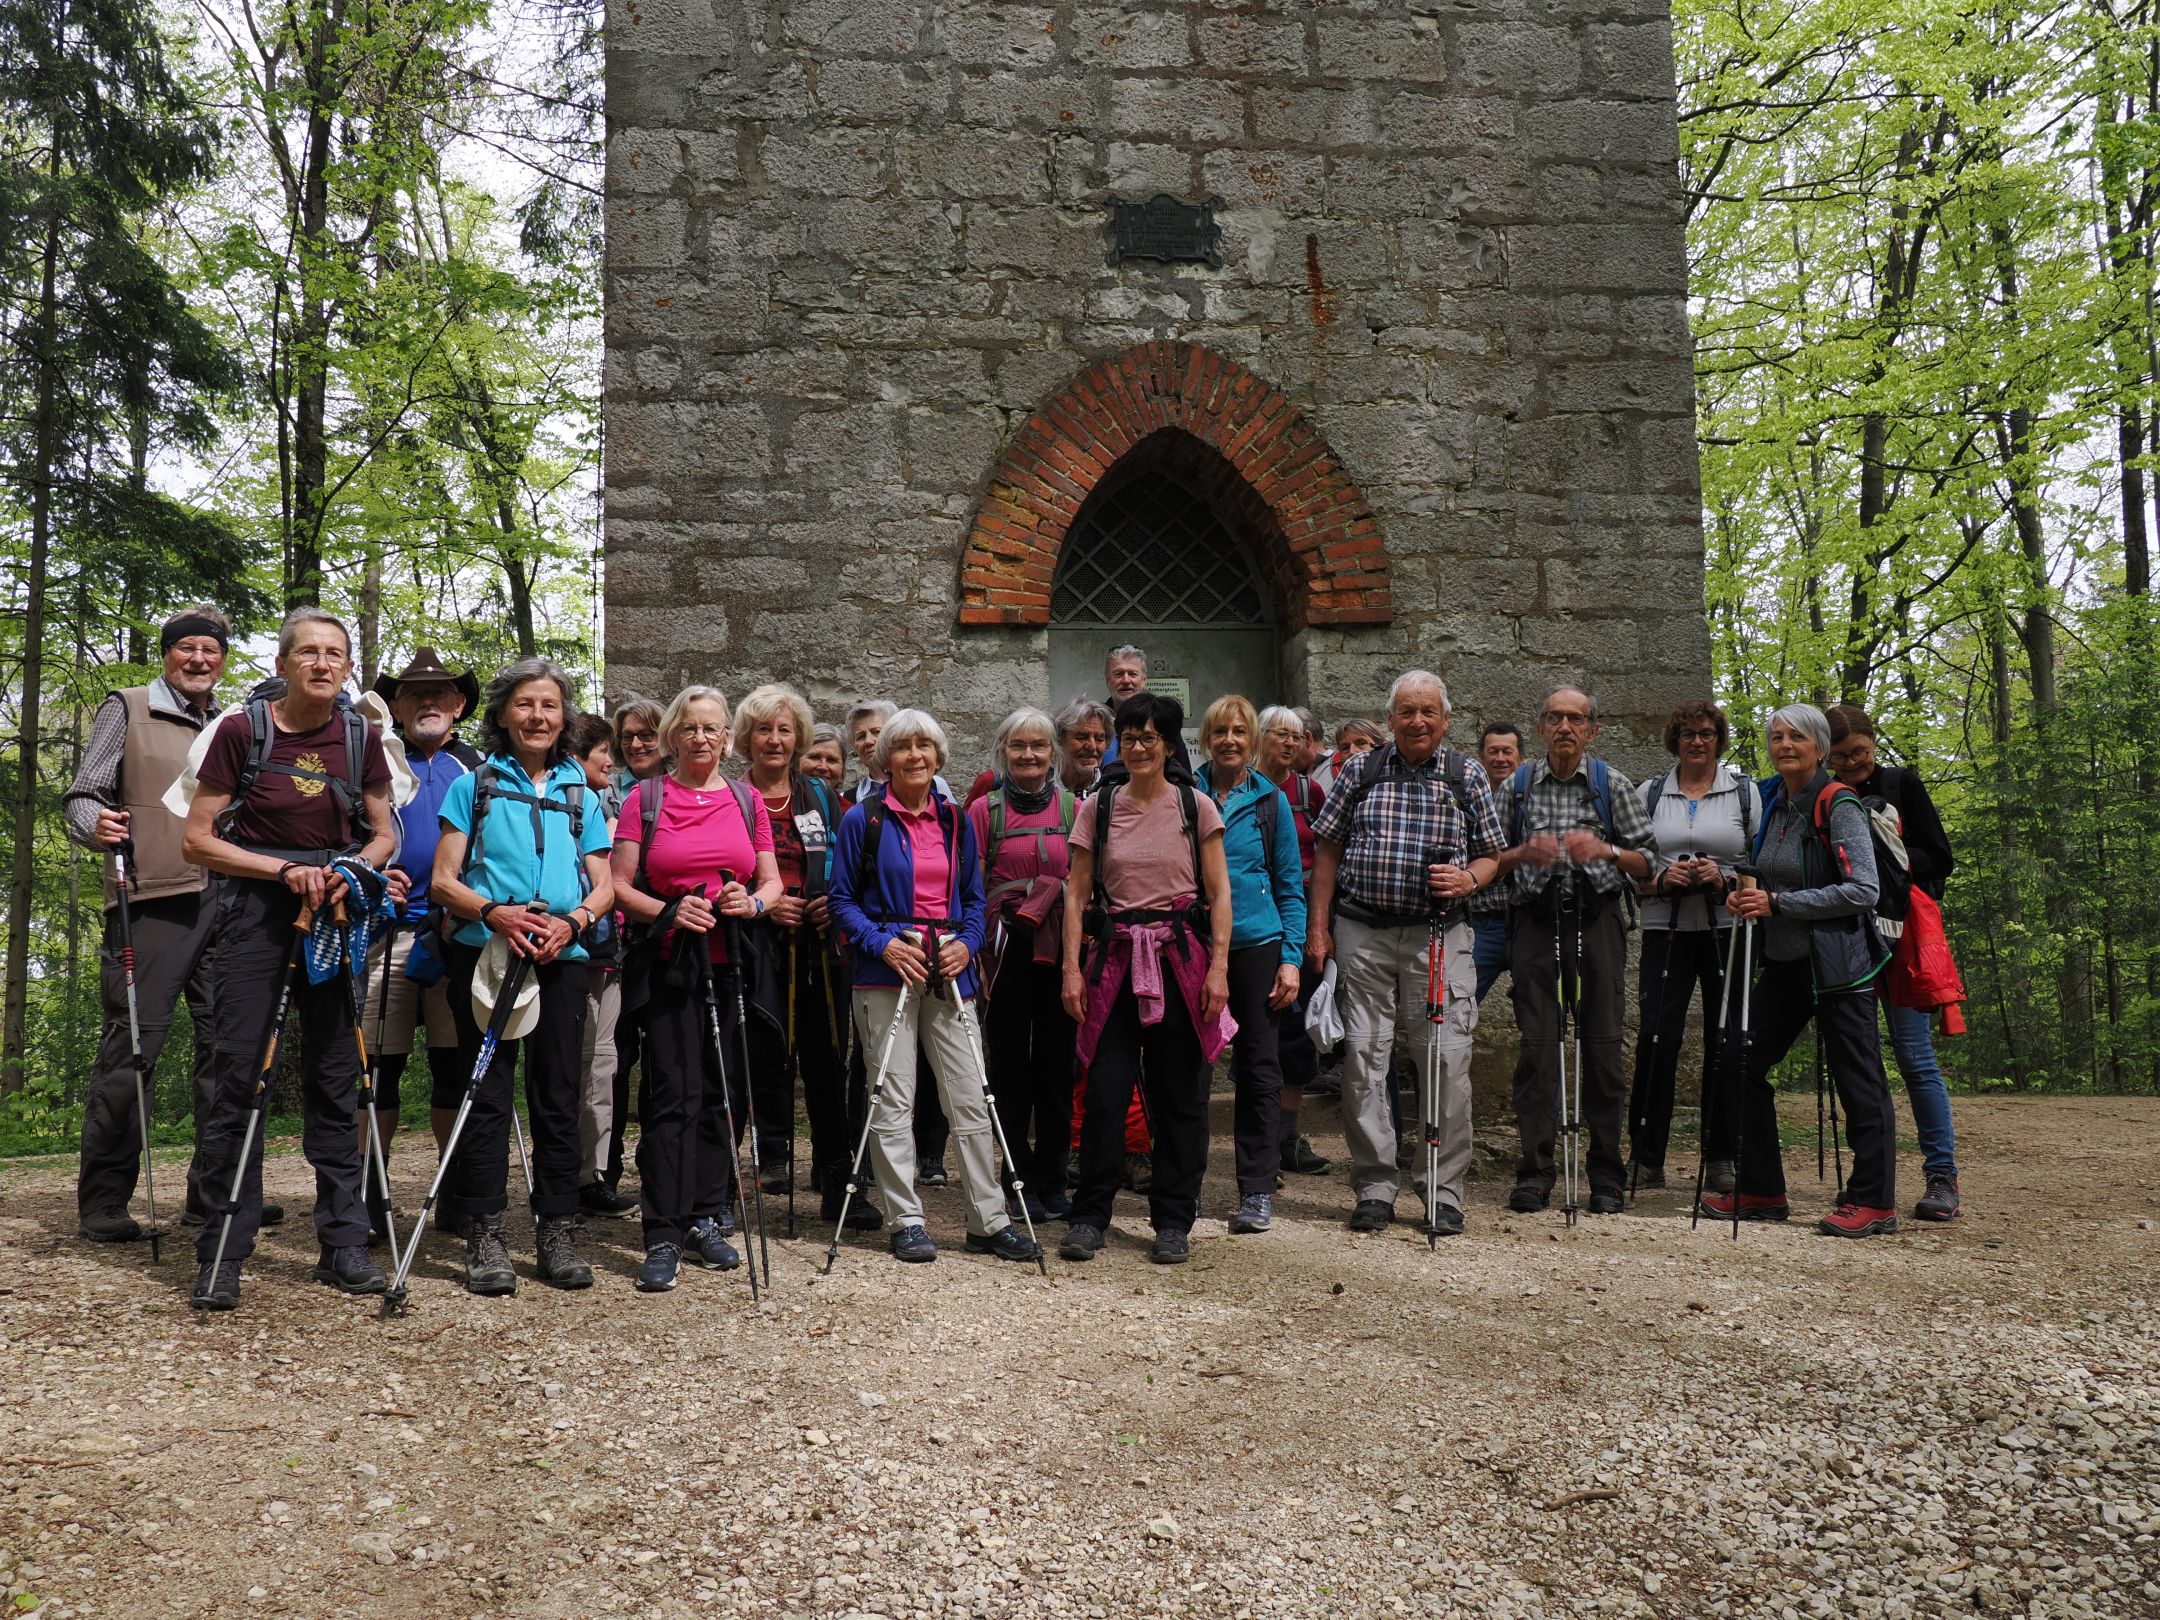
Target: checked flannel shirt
{"points": [[1557, 805], [1409, 810]]}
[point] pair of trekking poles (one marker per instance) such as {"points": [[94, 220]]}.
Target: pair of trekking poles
{"points": [[936, 984]]}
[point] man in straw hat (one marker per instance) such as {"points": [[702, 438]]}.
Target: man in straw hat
{"points": [[405, 983]]}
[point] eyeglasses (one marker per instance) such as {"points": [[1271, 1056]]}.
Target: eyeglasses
{"points": [[1698, 736], [630, 737], [691, 729], [1142, 740], [328, 657]]}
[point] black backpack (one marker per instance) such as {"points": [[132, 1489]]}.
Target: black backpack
{"points": [[1372, 767], [1099, 912], [489, 783], [262, 736]]}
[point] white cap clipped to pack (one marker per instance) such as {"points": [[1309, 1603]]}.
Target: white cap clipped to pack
{"points": [[487, 983], [1323, 1021]]}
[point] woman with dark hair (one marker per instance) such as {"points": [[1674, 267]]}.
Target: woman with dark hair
{"points": [[1820, 955], [708, 855], [521, 868], [1150, 886], [1702, 818], [1912, 1034]]}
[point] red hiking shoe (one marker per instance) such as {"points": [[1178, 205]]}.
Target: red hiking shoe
{"points": [[1857, 1221], [1753, 1206]]}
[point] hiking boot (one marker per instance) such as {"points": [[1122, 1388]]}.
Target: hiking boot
{"points": [[111, 1224], [488, 1271], [556, 1239], [657, 1274], [1171, 1248], [912, 1244], [217, 1288], [862, 1215], [1082, 1241], [598, 1198], [350, 1271], [1055, 1206], [932, 1174], [1857, 1221], [1753, 1206], [1007, 1243], [1606, 1203], [1372, 1215], [703, 1245], [1529, 1197], [775, 1178], [1446, 1221], [1139, 1173], [1645, 1177], [1255, 1213], [1718, 1175], [1940, 1201], [1299, 1159], [272, 1214]]}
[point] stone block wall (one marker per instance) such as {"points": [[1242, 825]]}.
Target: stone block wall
{"points": [[853, 245]]}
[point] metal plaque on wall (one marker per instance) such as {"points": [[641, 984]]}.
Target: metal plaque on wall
{"points": [[1165, 228]]}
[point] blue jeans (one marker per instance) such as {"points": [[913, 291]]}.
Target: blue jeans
{"points": [[1912, 1039], [1489, 951]]}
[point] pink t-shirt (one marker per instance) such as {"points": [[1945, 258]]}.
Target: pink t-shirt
{"points": [[1150, 866], [699, 835], [1033, 846], [933, 867]]}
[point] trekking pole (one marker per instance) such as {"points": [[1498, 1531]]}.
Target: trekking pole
{"points": [[1639, 1124], [982, 1067], [862, 1144], [709, 993], [1823, 1088], [375, 1160], [123, 876], [1429, 1093], [1744, 876], [490, 1040], [1720, 1076], [1570, 1101], [794, 1035], [295, 965], [742, 1039], [517, 1134]]}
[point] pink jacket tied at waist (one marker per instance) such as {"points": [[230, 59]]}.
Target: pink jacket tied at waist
{"points": [[1138, 951]]}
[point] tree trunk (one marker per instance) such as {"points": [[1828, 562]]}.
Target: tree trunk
{"points": [[311, 338], [22, 876]]}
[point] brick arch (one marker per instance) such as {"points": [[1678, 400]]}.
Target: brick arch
{"points": [[1315, 532]]}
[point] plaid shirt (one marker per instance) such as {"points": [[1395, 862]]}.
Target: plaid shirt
{"points": [[1557, 805], [1410, 810]]}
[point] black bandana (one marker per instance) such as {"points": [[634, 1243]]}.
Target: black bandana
{"points": [[1021, 802], [190, 624]]}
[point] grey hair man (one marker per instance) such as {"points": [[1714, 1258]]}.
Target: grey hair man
{"points": [[1577, 834], [1408, 834]]}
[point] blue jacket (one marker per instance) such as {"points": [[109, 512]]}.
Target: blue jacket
{"points": [[1263, 906], [892, 890]]}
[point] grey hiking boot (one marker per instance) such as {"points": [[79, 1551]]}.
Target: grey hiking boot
{"points": [[556, 1238], [1718, 1175], [1940, 1201], [1255, 1213], [487, 1259], [217, 1288], [350, 1271], [1082, 1241], [110, 1225]]}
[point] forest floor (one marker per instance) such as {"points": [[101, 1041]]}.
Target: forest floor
{"points": [[1629, 1418]]}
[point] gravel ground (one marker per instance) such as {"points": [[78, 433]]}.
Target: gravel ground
{"points": [[1627, 1419]]}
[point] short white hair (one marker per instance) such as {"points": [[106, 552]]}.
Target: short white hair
{"points": [[1412, 678], [1025, 718], [1806, 719], [1127, 654], [1276, 714], [905, 726]]}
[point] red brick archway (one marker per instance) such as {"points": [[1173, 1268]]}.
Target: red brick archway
{"points": [[1315, 531]]}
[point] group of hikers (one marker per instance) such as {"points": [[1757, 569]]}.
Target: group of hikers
{"points": [[702, 897]]}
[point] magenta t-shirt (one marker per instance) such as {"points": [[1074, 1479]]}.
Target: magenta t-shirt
{"points": [[699, 835], [933, 867], [1033, 846]]}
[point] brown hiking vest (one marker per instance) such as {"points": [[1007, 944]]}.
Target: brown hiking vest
{"points": [[156, 749]]}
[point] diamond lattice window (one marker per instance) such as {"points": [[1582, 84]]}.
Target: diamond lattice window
{"points": [[1152, 552]]}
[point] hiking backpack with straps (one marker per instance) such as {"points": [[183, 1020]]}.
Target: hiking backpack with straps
{"points": [[1100, 913], [1519, 793], [488, 784], [262, 737], [1068, 805], [1893, 866], [874, 814], [1750, 811], [1454, 770]]}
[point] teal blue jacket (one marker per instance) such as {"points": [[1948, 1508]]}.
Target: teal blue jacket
{"points": [[1265, 904]]}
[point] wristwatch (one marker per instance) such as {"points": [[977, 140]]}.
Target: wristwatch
{"points": [[757, 906]]}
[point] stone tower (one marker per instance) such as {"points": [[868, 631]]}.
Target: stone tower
{"points": [[950, 342]]}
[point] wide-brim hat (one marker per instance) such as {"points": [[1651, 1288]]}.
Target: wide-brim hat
{"points": [[487, 983], [426, 666]]}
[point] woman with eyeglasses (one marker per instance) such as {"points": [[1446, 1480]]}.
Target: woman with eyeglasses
{"points": [[636, 737], [1702, 817], [1284, 740]]}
